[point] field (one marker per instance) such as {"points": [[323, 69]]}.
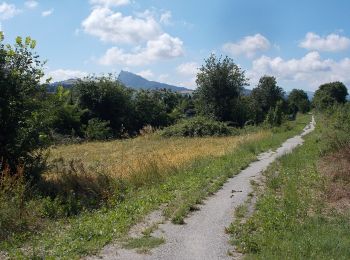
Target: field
{"points": [[132, 156], [175, 174]]}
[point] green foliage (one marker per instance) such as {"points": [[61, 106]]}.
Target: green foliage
{"points": [[265, 97], [291, 220], [198, 127], [298, 101], [108, 100], [21, 116], [330, 94], [338, 126], [275, 115], [180, 191], [63, 114], [220, 84], [97, 129], [150, 108]]}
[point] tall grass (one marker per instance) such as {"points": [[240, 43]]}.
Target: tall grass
{"points": [[194, 169], [125, 158], [293, 219]]}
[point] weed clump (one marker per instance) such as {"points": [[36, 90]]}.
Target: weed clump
{"points": [[199, 127]]}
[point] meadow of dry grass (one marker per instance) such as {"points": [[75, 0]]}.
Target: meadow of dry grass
{"points": [[124, 158]]}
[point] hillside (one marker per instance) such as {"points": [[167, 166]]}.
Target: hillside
{"points": [[130, 80], [137, 82]]}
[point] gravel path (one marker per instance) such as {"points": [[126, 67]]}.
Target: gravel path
{"points": [[203, 236]]}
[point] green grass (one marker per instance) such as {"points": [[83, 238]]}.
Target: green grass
{"points": [[143, 243], [291, 221], [87, 233]]}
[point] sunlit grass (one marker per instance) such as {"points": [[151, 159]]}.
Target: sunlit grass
{"points": [[124, 158]]}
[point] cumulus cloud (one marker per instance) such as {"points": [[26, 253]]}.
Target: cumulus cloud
{"points": [[109, 2], [188, 68], [163, 47], [310, 69], [114, 27], [31, 4], [8, 11], [63, 74], [332, 42], [248, 46], [47, 13], [141, 35]]}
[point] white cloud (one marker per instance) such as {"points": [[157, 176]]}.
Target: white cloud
{"points": [[189, 68], [332, 42], [109, 2], [248, 46], [114, 27], [163, 47], [31, 4], [146, 74], [62, 74], [310, 69], [165, 18], [8, 11], [47, 13]]}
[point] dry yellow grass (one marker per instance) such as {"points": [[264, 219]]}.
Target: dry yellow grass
{"points": [[122, 158]]}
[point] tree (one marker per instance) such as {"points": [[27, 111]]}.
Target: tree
{"points": [[330, 94], [64, 114], [21, 119], [265, 96], [150, 109], [108, 100], [298, 101], [220, 84]]}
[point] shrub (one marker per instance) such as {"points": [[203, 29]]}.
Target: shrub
{"points": [[339, 126], [22, 129], [198, 127], [98, 130]]}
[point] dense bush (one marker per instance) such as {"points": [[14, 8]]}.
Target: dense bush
{"points": [[330, 94], [21, 119], [197, 127], [338, 118], [97, 129]]}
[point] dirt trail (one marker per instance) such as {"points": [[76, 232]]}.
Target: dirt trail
{"points": [[203, 236]]}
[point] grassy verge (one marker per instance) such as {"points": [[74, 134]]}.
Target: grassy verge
{"points": [[88, 232], [293, 219]]}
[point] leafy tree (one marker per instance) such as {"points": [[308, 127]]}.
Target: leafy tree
{"points": [[265, 96], [21, 119], [330, 94], [150, 109], [108, 100], [298, 101], [220, 84], [64, 113]]}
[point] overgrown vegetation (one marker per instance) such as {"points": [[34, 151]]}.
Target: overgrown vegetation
{"points": [[199, 127], [74, 199], [303, 212], [181, 189]]}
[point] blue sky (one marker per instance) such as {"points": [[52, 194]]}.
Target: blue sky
{"points": [[302, 43]]}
